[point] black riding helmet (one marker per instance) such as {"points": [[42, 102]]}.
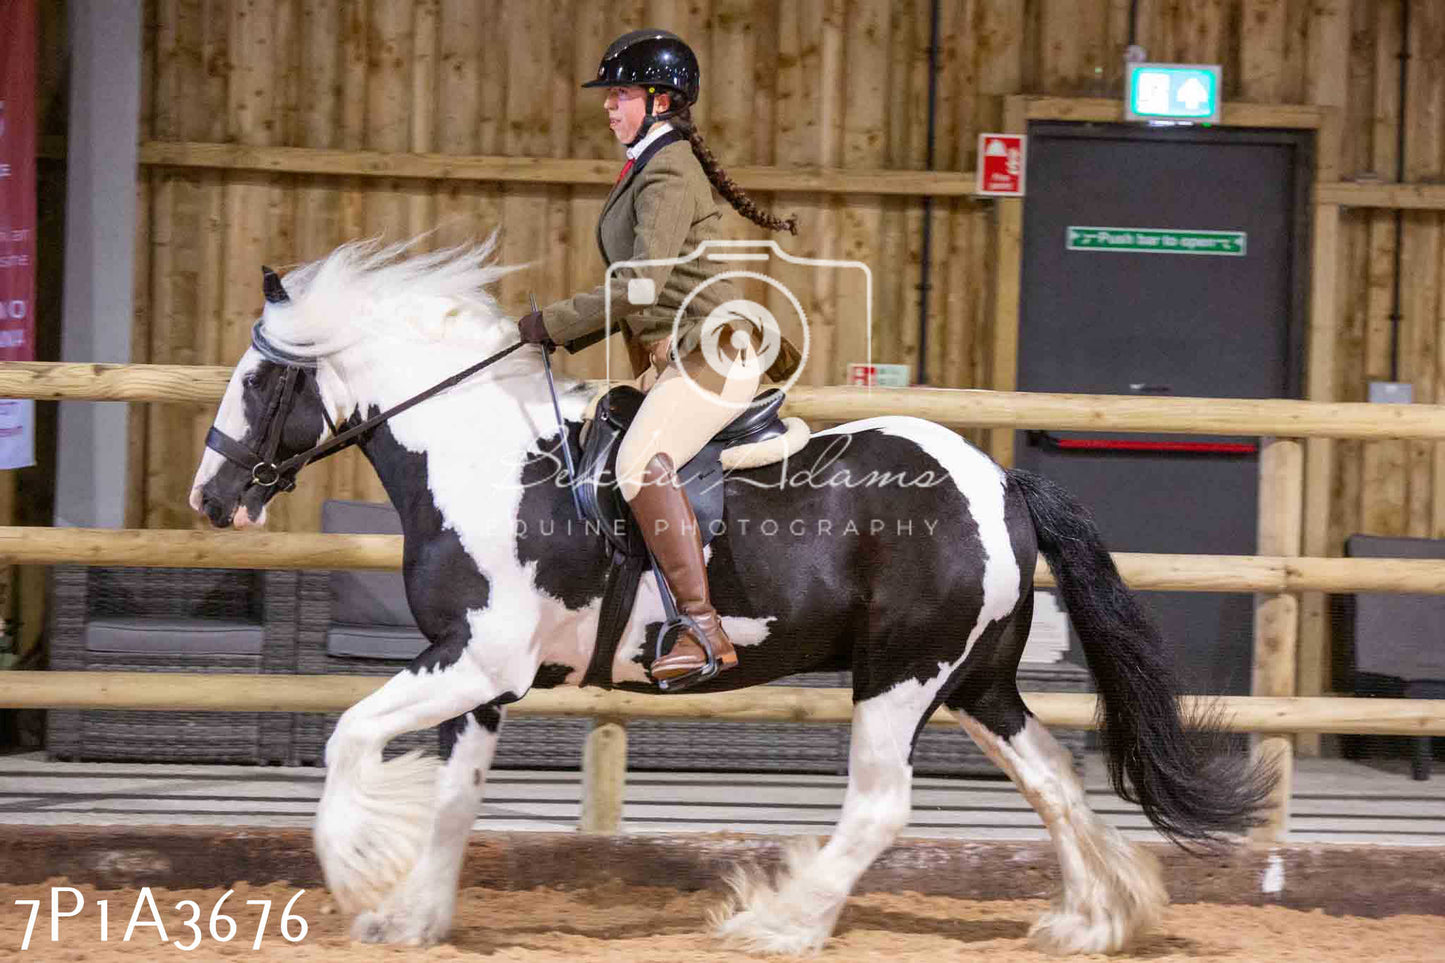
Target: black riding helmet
{"points": [[651, 59]]}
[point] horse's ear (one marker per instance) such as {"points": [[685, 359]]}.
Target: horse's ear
{"points": [[273, 289]]}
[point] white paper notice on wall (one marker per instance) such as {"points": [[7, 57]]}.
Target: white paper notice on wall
{"points": [[17, 441], [1049, 632]]}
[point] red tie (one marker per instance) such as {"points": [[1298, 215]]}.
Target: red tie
{"points": [[625, 168]]}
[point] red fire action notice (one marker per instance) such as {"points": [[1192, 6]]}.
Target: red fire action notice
{"points": [[1001, 164]]}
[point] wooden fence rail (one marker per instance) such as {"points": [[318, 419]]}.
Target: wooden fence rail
{"points": [[248, 158], [333, 693], [161, 548], [950, 406]]}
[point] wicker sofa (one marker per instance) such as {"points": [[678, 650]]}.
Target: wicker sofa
{"points": [[171, 620]]}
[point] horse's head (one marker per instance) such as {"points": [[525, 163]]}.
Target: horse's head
{"points": [[273, 409]]}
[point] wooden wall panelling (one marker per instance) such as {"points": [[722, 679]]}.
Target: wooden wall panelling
{"points": [[185, 254], [560, 60], [591, 137], [468, 82], [1425, 149], [1202, 37], [421, 196], [1261, 50], [278, 240], [461, 37], [317, 229], [887, 319], [349, 466], [795, 117], [1383, 463], [136, 415], [1008, 240], [865, 145], [1349, 365], [1327, 74], [824, 26], [1423, 119], [527, 39], [390, 48], [955, 58]]}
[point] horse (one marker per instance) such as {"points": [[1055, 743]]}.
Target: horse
{"points": [[888, 546]]}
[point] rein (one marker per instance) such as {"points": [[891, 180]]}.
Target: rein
{"points": [[265, 472]]}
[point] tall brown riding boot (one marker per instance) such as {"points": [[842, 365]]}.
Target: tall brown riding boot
{"points": [[670, 530]]}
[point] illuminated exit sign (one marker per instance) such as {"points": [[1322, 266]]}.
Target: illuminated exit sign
{"points": [[1178, 92]]}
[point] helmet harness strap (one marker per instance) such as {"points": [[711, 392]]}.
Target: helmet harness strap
{"points": [[649, 118]]}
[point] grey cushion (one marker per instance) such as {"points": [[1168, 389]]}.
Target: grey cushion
{"points": [[361, 597], [1399, 635], [374, 642], [167, 636]]}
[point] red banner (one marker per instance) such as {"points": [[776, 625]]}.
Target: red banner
{"points": [[17, 217]]}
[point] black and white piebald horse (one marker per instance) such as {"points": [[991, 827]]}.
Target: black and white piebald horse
{"points": [[888, 546]]}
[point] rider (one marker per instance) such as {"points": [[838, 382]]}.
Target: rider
{"points": [[661, 207]]}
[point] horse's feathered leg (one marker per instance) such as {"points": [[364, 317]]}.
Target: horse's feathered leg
{"points": [[796, 913], [1112, 889], [374, 819], [420, 909]]}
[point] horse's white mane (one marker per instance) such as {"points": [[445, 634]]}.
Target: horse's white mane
{"points": [[363, 287]]}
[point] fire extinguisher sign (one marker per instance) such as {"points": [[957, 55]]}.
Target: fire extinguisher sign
{"points": [[1001, 165]]}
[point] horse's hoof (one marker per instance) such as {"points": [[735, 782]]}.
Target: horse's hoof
{"points": [[379, 927], [369, 927], [1062, 932]]}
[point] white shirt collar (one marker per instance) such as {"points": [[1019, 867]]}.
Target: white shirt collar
{"points": [[658, 129]]}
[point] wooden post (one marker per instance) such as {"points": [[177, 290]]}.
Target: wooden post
{"points": [[604, 776], [1276, 618], [1008, 269]]}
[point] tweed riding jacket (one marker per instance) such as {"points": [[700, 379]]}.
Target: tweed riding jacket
{"points": [[663, 208]]}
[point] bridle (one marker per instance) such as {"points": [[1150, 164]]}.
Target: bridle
{"points": [[265, 471]]}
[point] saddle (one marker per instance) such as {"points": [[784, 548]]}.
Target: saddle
{"points": [[601, 496], [603, 507]]}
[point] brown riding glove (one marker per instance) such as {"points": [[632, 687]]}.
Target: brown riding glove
{"points": [[534, 331]]}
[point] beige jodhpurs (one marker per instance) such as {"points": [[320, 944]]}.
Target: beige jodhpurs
{"points": [[680, 414]]}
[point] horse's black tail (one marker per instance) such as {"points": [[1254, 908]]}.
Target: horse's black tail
{"points": [[1180, 772]]}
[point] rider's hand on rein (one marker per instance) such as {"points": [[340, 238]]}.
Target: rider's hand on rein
{"points": [[534, 332]]}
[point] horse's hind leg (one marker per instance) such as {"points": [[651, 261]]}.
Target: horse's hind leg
{"points": [[1112, 889], [420, 909], [796, 913]]}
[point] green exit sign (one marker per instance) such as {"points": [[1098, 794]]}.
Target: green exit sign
{"points": [[1180, 92]]}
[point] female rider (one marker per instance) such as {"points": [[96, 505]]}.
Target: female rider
{"points": [[662, 208]]}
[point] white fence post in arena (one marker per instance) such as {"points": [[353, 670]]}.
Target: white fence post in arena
{"points": [[1276, 616]]}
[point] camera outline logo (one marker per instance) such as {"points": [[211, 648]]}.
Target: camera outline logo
{"points": [[642, 292]]}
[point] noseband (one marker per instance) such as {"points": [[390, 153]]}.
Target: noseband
{"points": [[265, 471]]}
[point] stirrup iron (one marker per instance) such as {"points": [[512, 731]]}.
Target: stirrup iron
{"points": [[676, 623]]}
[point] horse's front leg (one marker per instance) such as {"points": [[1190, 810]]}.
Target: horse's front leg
{"points": [[420, 909], [376, 820]]}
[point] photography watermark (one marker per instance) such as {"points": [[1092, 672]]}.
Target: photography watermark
{"points": [[732, 315], [841, 526], [67, 902], [825, 470]]}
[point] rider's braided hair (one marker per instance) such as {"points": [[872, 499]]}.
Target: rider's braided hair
{"points": [[724, 184]]}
